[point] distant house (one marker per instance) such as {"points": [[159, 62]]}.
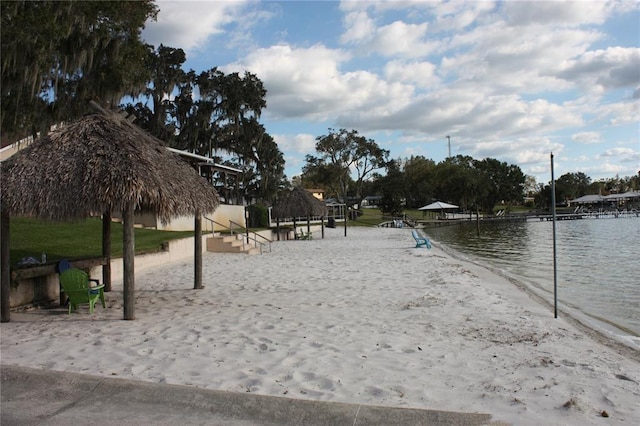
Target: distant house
{"points": [[371, 201], [318, 193]]}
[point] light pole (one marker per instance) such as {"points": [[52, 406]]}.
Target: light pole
{"points": [[449, 139]]}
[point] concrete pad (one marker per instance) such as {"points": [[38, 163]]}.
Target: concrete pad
{"points": [[44, 397]]}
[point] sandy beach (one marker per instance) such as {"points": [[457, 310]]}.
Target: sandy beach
{"points": [[366, 319]]}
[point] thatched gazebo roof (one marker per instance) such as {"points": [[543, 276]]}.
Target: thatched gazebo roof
{"points": [[96, 165], [298, 203], [100, 163]]}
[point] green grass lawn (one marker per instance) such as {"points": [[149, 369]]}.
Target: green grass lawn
{"points": [[32, 237], [373, 217]]}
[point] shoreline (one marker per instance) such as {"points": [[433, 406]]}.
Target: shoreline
{"points": [[365, 319], [595, 285], [600, 329]]}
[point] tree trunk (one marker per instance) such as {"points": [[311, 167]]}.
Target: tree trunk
{"points": [[346, 215], [5, 284], [197, 252], [128, 257], [106, 250]]}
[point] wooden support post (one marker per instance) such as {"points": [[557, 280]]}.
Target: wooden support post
{"points": [[128, 257], [346, 214], [106, 250], [5, 268], [197, 252]]}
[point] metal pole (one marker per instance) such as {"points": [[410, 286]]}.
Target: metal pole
{"points": [[555, 264], [449, 142]]}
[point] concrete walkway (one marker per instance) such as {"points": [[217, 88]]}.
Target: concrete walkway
{"points": [[43, 397]]}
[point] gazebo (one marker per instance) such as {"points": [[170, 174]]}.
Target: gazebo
{"points": [[299, 203], [96, 165], [438, 205]]}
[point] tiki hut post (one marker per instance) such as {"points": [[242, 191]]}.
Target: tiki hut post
{"points": [[116, 165], [299, 203], [346, 216], [128, 256], [5, 284], [106, 249], [197, 251]]}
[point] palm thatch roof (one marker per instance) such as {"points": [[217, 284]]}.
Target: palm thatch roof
{"points": [[298, 203], [95, 165], [100, 163]]}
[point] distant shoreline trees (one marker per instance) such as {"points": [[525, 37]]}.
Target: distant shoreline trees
{"points": [[462, 180]]}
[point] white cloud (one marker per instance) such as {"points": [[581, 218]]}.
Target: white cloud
{"points": [[619, 113], [502, 78], [302, 143], [587, 137], [569, 13], [307, 82], [613, 67], [420, 74], [296, 148], [617, 152], [359, 27], [508, 58], [300, 82], [403, 40], [189, 24]]}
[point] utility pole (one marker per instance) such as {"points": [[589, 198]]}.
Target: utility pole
{"points": [[449, 139]]}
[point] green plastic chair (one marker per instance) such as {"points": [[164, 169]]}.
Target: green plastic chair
{"points": [[75, 284]]}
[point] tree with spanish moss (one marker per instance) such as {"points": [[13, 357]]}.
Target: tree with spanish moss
{"points": [[56, 56]]}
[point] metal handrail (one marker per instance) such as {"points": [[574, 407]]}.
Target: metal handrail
{"points": [[246, 231], [268, 241]]}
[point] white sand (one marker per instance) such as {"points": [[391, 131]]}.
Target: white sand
{"points": [[363, 319]]}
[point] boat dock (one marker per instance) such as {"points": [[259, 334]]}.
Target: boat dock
{"points": [[523, 218]]}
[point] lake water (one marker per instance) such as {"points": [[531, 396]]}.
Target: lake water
{"points": [[598, 263]]}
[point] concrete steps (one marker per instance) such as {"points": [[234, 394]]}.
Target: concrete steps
{"points": [[219, 243]]}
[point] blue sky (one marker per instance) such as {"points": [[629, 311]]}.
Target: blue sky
{"points": [[511, 80]]}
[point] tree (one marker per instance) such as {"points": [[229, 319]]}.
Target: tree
{"points": [[530, 185], [419, 181], [459, 181], [571, 185], [504, 182], [543, 197], [342, 153], [270, 167], [391, 189], [221, 122], [165, 67], [56, 56]]}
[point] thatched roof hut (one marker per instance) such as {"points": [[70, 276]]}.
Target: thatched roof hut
{"points": [[95, 165], [298, 203]]}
